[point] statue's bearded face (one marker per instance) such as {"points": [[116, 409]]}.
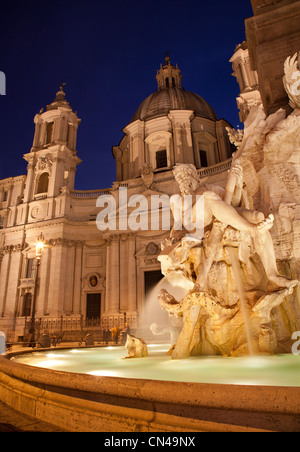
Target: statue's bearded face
{"points": [[187, 183]]}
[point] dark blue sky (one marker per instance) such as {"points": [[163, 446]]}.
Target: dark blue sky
{"points": [[108, 53]]}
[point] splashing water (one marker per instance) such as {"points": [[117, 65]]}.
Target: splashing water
{"points": [[233, 254], [178, 286]]}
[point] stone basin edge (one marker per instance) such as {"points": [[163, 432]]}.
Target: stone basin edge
{"points": [[272, 399]]}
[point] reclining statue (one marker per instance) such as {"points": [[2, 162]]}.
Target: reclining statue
{"points": [[226, 214], [228, 222]]}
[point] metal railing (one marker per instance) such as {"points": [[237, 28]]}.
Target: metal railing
{"points": [[76, 329]]}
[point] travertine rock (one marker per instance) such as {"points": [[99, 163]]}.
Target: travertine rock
{"points": [[136, 347]]}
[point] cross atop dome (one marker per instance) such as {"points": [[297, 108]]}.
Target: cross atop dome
{"points": [[168, 76]]}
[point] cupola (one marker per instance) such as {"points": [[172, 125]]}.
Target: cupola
{"points": [[168, 76]]}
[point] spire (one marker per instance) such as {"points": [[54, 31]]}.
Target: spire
{"points": [[60, 95], [168, 76], [60, 99], [167, 59]]}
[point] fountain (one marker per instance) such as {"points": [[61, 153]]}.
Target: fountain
{"points": [[239, 298], [235, 292], [233, 269]]}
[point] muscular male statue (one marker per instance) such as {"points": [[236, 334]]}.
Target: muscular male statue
{"points": [[222, 205]]}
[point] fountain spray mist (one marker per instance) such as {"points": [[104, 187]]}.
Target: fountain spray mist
{"points": [[178, 286]]}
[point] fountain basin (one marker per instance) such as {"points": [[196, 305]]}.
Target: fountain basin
{"points": [[84, 402]]}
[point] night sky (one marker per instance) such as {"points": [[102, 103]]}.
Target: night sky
{"points": [[108, 54]]}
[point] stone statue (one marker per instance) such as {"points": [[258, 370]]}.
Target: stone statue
{"points": [[136, 347], [291, 80], [241, 219], [213, 319]]}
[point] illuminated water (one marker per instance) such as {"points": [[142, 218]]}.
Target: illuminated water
{"points": [[279, 370]]}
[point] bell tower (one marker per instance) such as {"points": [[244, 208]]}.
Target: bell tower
{"points": [[168, 76], [52, 160]]}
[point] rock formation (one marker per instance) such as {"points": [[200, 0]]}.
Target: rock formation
{"points": [[136, 347]]}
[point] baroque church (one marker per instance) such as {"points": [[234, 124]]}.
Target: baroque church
{"points": [[104, 276], [86, 273]]}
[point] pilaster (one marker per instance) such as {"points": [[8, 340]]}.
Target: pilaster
{"points": [[183, 142]]}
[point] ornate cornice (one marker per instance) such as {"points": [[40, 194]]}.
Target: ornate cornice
{"points": [[18, 248]]}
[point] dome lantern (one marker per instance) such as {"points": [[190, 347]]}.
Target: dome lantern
{"points": [[168, 76]]}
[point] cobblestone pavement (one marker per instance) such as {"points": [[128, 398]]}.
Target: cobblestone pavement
{"points": [[14, 421]]}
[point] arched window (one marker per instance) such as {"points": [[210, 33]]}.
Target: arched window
{"points": [[27, 305], [161, 159], [43, 183], [49, 132]]}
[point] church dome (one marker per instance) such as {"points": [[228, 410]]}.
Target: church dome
{"points": [[173, 98], [171, 126]]}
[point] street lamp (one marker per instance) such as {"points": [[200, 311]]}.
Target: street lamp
{"points": [[39, 248], [38, 252]]}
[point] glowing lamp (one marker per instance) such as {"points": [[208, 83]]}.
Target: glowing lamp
{"points": [[39, 247]]}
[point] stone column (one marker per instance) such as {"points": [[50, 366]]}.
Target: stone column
{"points": [[244, 74], [223, 141], [57, 278], [124, 274], [4, 276], [13, 280], [115, 275], [37, 135], [29, 181], [135, 132], [108, 277], [118, 157], [43, 291], [183, 142], [69, 280], [77, 278], [132, 299]]}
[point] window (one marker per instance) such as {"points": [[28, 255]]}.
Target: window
{"points": [[43, 183], [161, 159], [1, 222], [49, 136], [69, 132], [203, 159], [167, 82], [5, 196], [27, 305], [30, 269]]}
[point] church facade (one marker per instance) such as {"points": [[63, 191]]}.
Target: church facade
{"points": [[86, 273]]}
